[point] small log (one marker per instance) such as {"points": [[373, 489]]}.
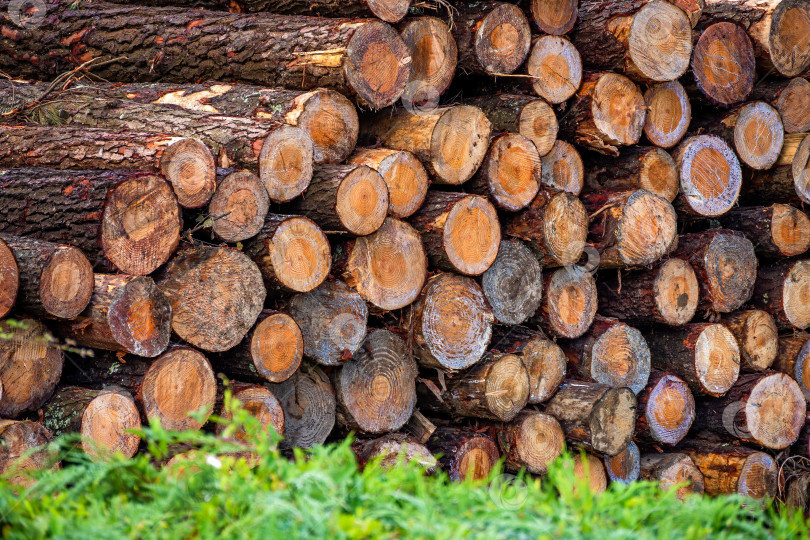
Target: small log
{"points": [[789, 181], [332, 319], [492, 37], [54, 280], [461, 232], [308, 400], [555, 17], [791, 102], [464, 454], [555, 67], [667, 410], [625, 466], [513, 285], [757, 335], [544, 360], [668, 113], [588, 469], [404, 175], [260, 403], [30, 366], [9, 279], [420, 427], [643, 167], [599, 417], [103, 418], [667, 293], [239, 206], [570, 302], [723, 63], [705, 355], [731, 469], [562, 168], [783, 290], [23, 448], [126, 314], [510, 174], [710, 175], [793, 358], [376, 389], [531, 441], [777, 231], [393, 449], [216, 295], [670, 470], [450, 324], [434, 56]]}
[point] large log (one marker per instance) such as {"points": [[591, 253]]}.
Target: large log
{"points": [[723, 63], [531, 441], [239, 206], [777, 231], [570, 302], [670, 470], [492, 37], [9, 279], [731, 469], [513, 284], [642, 167], [510, 174], [23, 447], [434, 56], [554, 17], [710, 174], [625, 466], [404, 175], [130, 217], [555, 67], [668, 113], [787, 182], [793, 357], [757, 335], [545, 361], [783, 290], [464, 454], [667, 410]]}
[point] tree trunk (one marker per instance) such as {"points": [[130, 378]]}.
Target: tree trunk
{"points": [[30, 366], [463, 453], [731, 469], [642, 167], [513, 285], [434, 56], [260, 403], [333, 321], [531, 441], [54, 280], [130, 217], [667, 293], [710, 176], [556, 17], [783, 290], [404, 175], [705, 355], [23, 448], [239, 206], [667, 410], [308, 400], [391, 448], [669, 113], [625, 466], [103, 418], [9, 279], [785, 183], [562, 168], [555, 67], [671, 470], [598, 416], [792, 358], [376, 389], [510, 174], [777, 231], [544, 360], [570, 302], [757, 335], [492, 37]]}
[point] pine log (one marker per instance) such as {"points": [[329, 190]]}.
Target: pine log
{"points": [[731, 469], [757, 335], [725, 265], [783, 290], [126, 314], [570, 302], [464, 454], [388, 268], [544, 360], [333, 320], [667, 410], [710, 176], [531, 441], [667, 293], [450, 324], [450, 141], [239, 206], [556, 17], [642, 167], [607, 112], [554, 226], [625, 466], [23, 448], [589, 471], [292, 253], [260, 403], [670, 470], [461, 232], [610, 353], [30, 366], [510, 174], [791, 98], [793, 357], [9, 279], [777, 231], [513, 285], [404, 175], [376, 388], [723, 63], [562, 168], [102, 417], [599, 417], [555, 67], [54, 280], [130, 217], [492, 37], [648, 41], [785, 183], [705, 355], [308, 400], [765, 409], [434, 56], [393, 449], [668, 113]]}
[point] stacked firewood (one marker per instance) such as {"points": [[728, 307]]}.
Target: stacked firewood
{"points": [[479, 231]]}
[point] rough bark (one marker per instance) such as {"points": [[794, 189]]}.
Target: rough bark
{"points": [[641, 167], [555, 68], [783, 290], [666, 410], [531, 441], [777, 231], [404, 175], [513, 285], [463, 453]]}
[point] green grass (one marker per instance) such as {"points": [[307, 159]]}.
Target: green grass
{"points": [[321, 494]]}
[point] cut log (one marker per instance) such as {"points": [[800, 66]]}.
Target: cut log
{"points": [[554, 226], [492, 37], [555, 67], [239, 206], [30, 366], [757, 336], [705, 355], [513, 285], [723, 63], [783, 290], [272, 351], [630, 228], [570, 302], [129, 216], [692, 8], [388, 268], [776, 231], [670, 470], [792, 100], [261, 404], [611, 353], [589, 471], [544, 360], [710, 176], [450, 141], [625, 466], [393, 449], [54, 280], [731, 469], [531, 441], [510, 174], [562, 169], [333, 320], [793, 358], [9, 279], [376, 389], [607, 112], [668, 113], [526, 115], [461, 232], [642, 167], [556, 17], [308, 400], [450, 324], [725, 265], [23, 448], [292, 253], [464, 454], [599, 417], [668, 294], [648, 41], [102, 417], [404, 175], [216, 295], [667, 410], [788, 181], [126, 314], [765, 409], [434, 56], [420, 427]]}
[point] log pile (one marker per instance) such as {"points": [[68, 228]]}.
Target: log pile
{"points": [[486, 232]]}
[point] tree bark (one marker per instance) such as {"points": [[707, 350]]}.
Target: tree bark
{"points": [[792, 358], [570, 302], [531, 441], [420, 427], [239, 206], [463, 453], [625, 466], [555, 67], [777, 231], [544, 360], [671, 470], [723, 63], [642, 167], [513, 285], [308, 400], [669, 113], [391, 448], [510, 174], [667, 410], [404, 175], [731, 469], [434, 57], [757, 335], [783, 290], [492, 37]]}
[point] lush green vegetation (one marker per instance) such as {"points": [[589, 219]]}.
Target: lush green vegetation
{"points": [[321, 494]]}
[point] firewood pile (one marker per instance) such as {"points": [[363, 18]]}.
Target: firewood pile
{"points": [[479, 230]]}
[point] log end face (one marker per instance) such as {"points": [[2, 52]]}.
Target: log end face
{"points": [[434, 56], [670, 410], [621, 358], [571, 301], [590, 471], [758, 477], [710, 173], [660, 41], [659, 174], [190, 168], [775, 411], [540, 440], [613, 421], [478, 456], [105, 423], [731, 269], [239, 207], [140, 318], [648, 229], [546, 366], [513, 284], [9, 279], [625, 466], [277, 347], [407, 183], [788, 39], [562, 168], [794, 106], [676, 292], [723, 63], [390, 11], [760, 340], [377, 64], [565, 228], [555, 17], [261, 404], [66, 283], [507, 387], [717, 359], [301, 255], [472, 235], [618, 109], [331, 120], [801, 170], [502, 39], [513, 171], [362, 201], [308, 400], [668, 114], [790, 230], [556, 68], [538, 123], [459, 143], [285, 163], [796, 295], [758, 135]]}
